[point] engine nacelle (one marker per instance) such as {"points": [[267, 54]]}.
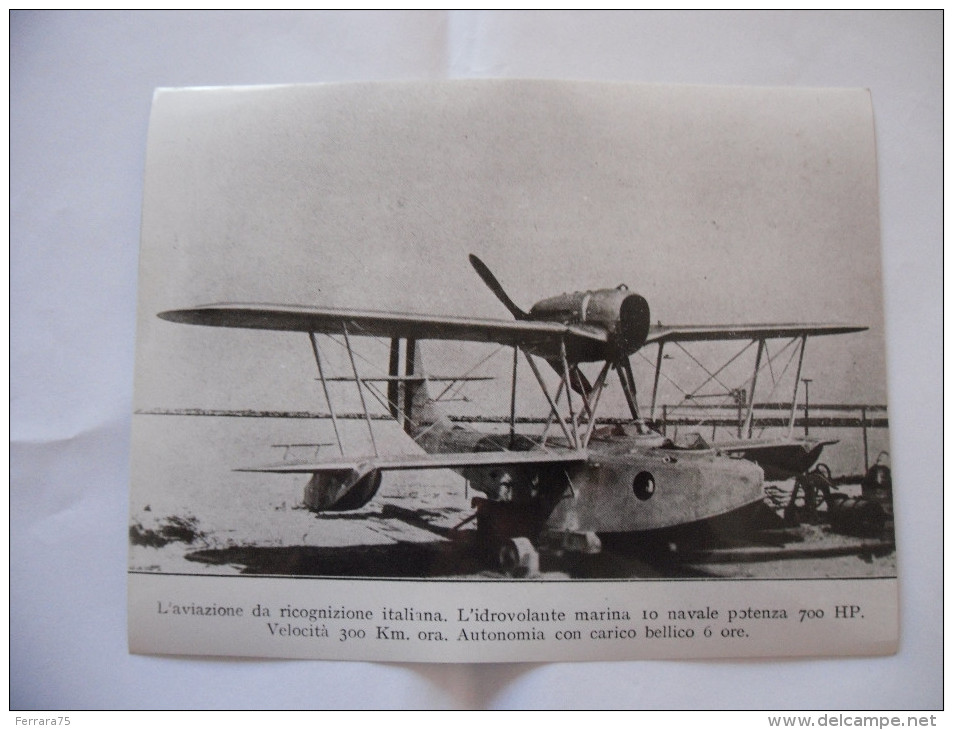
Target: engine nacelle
{"points": [[621, 313]]}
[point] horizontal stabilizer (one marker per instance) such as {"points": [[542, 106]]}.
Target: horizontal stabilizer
{"points": [[780, 458], [804, 444]]}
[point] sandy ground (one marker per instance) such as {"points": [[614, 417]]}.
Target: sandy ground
{"points": [[191, 513]]}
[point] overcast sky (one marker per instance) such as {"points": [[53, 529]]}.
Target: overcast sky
{"points": [[717, 204]]}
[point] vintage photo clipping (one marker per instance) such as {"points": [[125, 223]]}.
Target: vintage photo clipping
{"points": [[489, 371]]}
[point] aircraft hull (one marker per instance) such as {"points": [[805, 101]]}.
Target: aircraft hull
{"points": [[627, 484], [653, 489]]}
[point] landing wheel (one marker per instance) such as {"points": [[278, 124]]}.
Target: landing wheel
{"points": [[518, 558]]}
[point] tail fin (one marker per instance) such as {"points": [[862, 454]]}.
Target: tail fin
{"points": [[410, 399]]}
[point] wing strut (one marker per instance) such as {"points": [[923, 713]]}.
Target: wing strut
{"points": [[549, 398], [324, 385], [516, 360], [595, 395], [393, 384], [627, 379], [797, 381], [566, 379], [410, 369], [749, 419], [658, 371], [360, 387], [549, 418], [590, 405]]}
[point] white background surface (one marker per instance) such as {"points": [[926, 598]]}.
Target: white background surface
{"points": [[81, 87]]}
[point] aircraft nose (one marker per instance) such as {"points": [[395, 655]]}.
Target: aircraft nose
{"points": [[634, 323]]}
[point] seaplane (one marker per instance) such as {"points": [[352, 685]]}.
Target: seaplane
{"points": [[578, 480]]}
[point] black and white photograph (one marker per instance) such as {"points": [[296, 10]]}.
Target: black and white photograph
{"points": [[478, 359], [511, 330], [702, 262]]}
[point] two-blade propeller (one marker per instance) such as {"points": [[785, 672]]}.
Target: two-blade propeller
{"points": [[577, 379], [484, 272]]}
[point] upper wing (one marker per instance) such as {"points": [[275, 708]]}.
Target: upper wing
{"points": [[527, 334], [695, 333], [425, 461]]}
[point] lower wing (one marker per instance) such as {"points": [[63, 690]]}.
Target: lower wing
{"points": [[345, 484]]}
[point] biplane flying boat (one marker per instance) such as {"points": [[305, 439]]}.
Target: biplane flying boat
{"points": [[558, 490]]}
